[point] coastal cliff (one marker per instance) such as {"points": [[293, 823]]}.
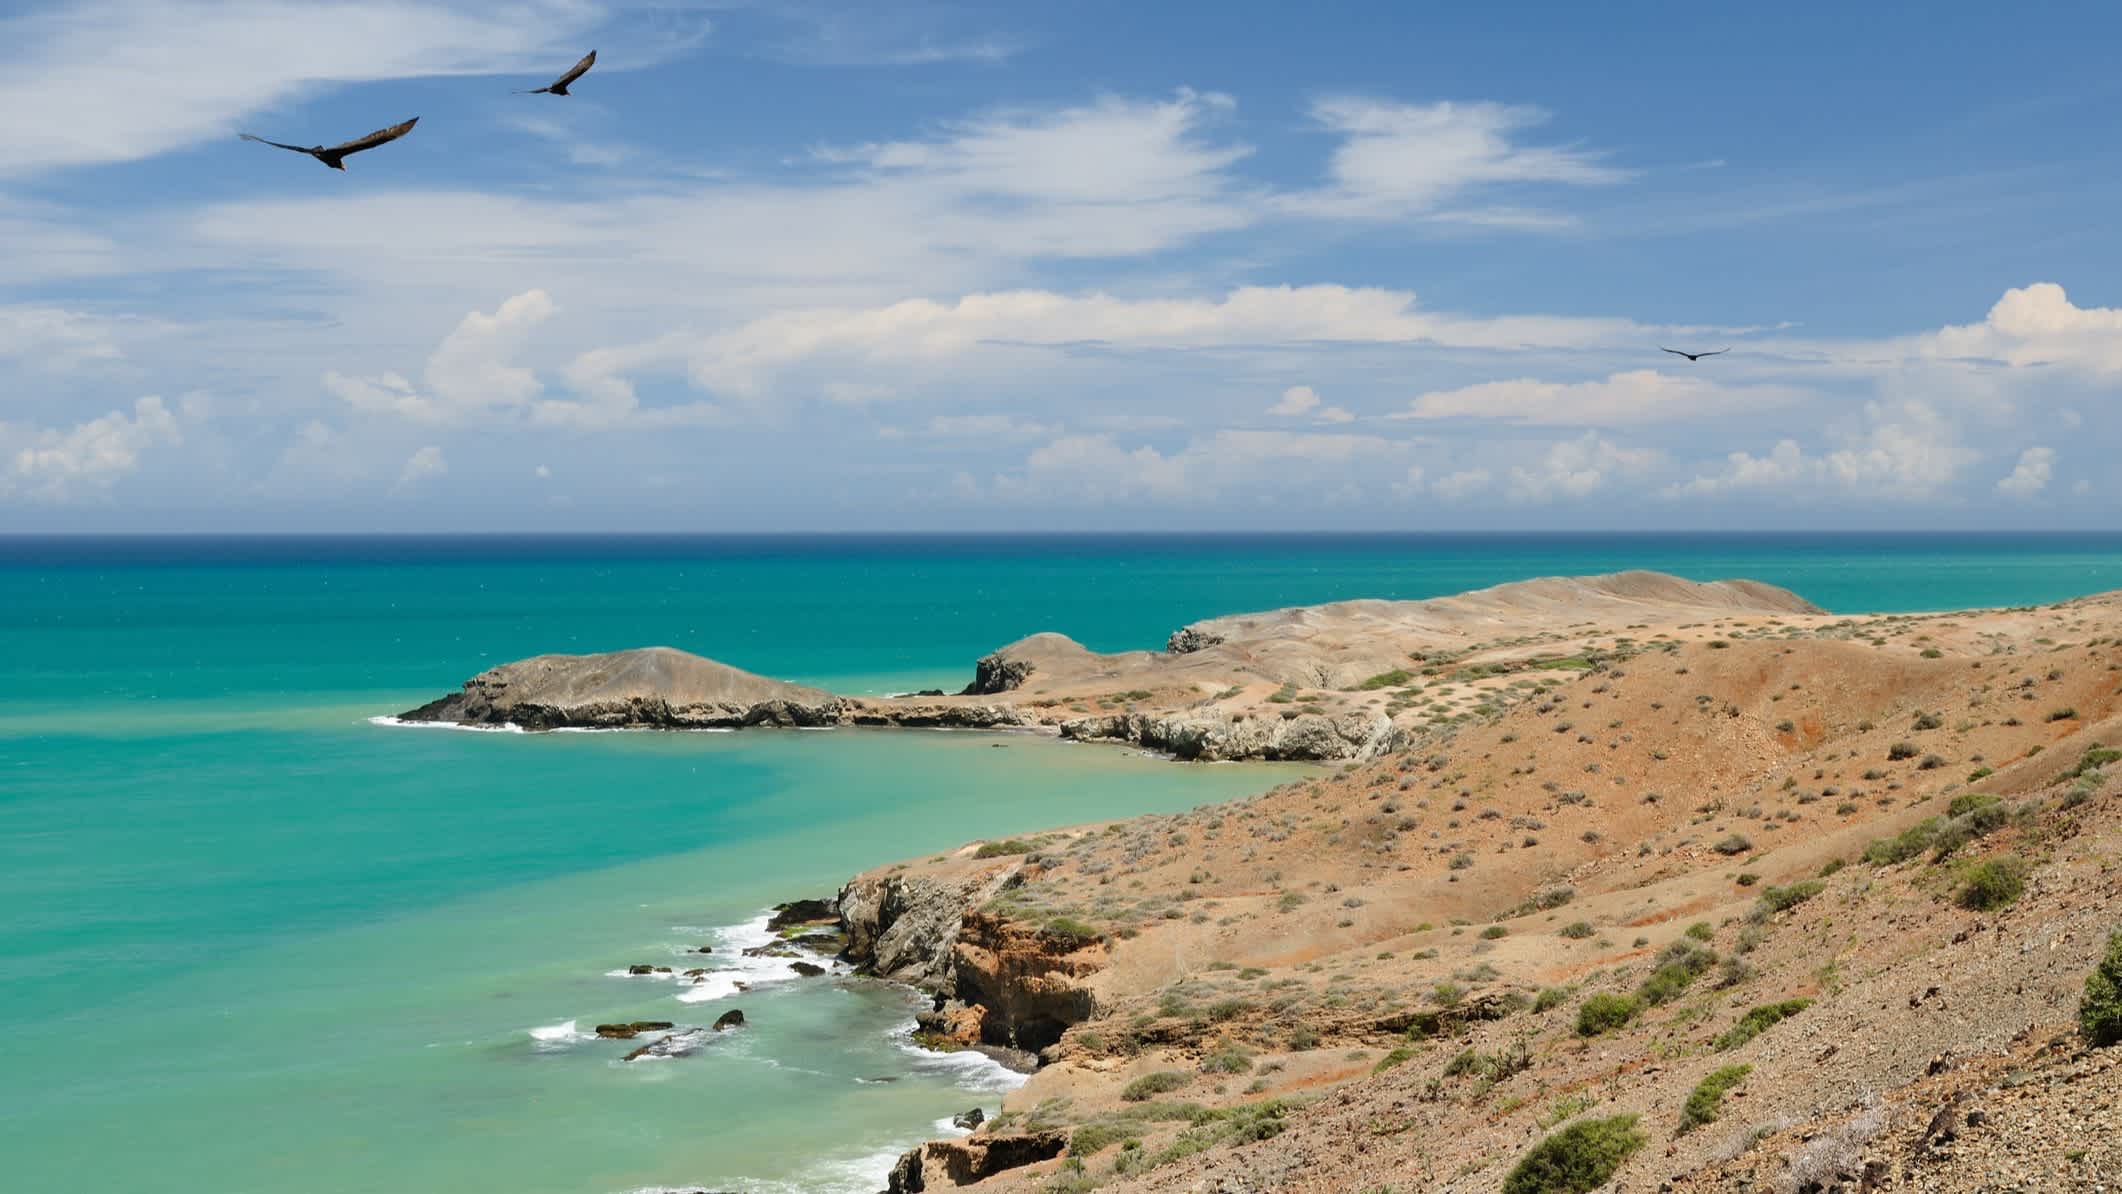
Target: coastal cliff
{"points": [[1764, 901], [1348, 680]]}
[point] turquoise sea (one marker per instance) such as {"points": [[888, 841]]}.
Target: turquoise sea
{"points": [[250, 941]]}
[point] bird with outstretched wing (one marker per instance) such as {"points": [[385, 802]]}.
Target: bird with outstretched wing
{"points": [[559, 86], [335, 155], [1695, 356]]}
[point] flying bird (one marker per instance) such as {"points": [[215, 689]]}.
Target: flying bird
{"points": [[335, 155], [559, 86], [1695, 356]]}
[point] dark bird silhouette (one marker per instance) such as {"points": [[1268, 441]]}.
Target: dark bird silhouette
{"points": [[1695, 356], [335, 155], [559, 86]]}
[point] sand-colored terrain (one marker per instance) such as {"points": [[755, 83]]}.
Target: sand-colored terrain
{"points": [[1872, 858]]}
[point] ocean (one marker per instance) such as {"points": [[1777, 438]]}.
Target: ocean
{"points": [[252, 941]]}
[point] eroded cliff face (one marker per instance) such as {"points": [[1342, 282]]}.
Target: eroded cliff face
{"points": [[1307, 737], [947, 1164], [996, 981]]}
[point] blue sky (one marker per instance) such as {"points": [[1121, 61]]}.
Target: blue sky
{"points": [[1087, 266]]}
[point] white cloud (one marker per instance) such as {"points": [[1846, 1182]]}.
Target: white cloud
{"points": [[469, 375], [70, 84], [1398, 160], [1097, 470], [742, 361], [58, 465], [54, 338], [2031, 475], [990, 427], [425, 462], [1298, 401], [542, 472], [1900, 451], [2035, 325], [1576, 468], [1463, 484], [1636, 396]]}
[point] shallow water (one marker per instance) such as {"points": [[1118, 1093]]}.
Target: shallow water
{"points": [[250, 941]]}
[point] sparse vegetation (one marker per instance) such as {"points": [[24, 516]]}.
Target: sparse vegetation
{"points": [[1605, 1012], [1993, 883], [1759, 1020], [1150, 1085], [1577, 1159], [1734, 844], [1702, 1102], [1000, 849], [2100, 1008]]}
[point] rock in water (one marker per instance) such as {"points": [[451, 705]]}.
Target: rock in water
{"points": [[732, 1018], [969, 1119], [799, 912], [807, 969], [648, 687]]}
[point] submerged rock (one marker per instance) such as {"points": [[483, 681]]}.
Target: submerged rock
{"points": [[627, 1032]]}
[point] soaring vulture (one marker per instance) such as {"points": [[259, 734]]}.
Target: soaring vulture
{"points": [[559, 86], [335, 155], [1695, 356]]}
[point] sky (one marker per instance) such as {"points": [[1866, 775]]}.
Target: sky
{"points": [[1093, 266]]}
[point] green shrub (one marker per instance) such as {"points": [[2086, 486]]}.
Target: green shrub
{"points": [[1067, 930], [1577, 1159], [1091, 1138], [1701, 930], [1393, 1058], [1912, 841], [1493, 932], [1674, 970], [1550, 998], [2094, 758], [1702, 1102], [1149, 1086], [1392, 679], [1734, 844], [2100, 1010], [1993, 884], [998, 849], [1968, 802], [1760, 1020], [1577, 930], [2066, 713], [1605, 1012], [1779, 899], [1230, 1059], [1902, 750]]}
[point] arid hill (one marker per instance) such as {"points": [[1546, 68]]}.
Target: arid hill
{"points": [[1752, 899], [1317, 682]]}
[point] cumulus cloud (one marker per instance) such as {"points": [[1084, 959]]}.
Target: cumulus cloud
{"points": [[1577, 468], [1463, 484], [1902, 451], [1397, 160], [425, 462], [1098, 470], [62, 464], [2031, 475], [470, 373], [1299, 401], [1634, 397], [2035, 325]]}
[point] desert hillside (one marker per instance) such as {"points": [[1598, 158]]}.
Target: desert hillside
{"points": [[1749, 899]]}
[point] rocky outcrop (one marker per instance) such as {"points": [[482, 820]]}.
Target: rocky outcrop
{"points": [[649, 687], [947, 1164], [1211, 737], [904, 928], [799, 912], [1188, 639], [1024, 982], [997, 982], [627, 1032], [733, 1018]]}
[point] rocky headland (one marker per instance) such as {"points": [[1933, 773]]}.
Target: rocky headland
{"points": [[1325, 682], [1740, 900]]}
